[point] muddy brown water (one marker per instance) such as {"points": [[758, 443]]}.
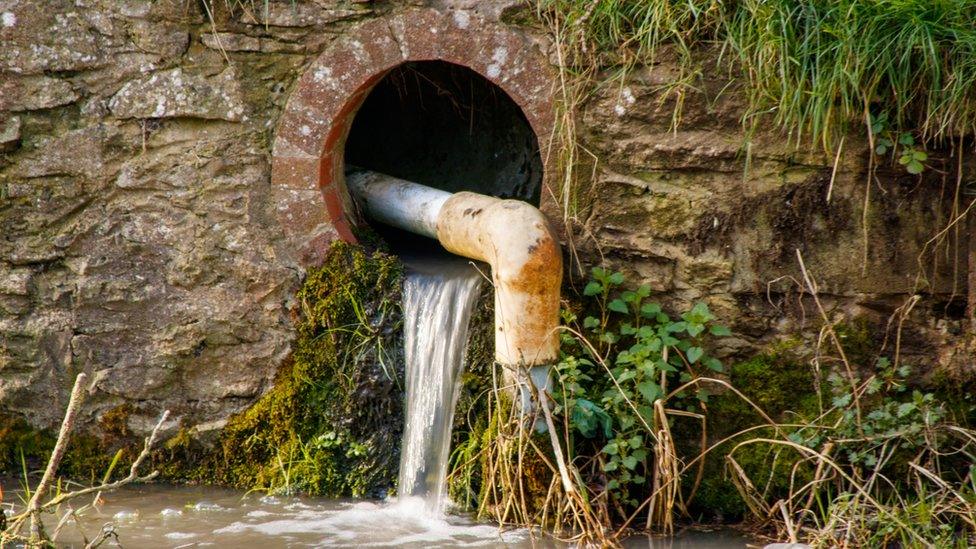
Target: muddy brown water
{"points": [[166, 516]]}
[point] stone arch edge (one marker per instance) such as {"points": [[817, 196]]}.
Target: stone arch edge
{"points": [[307, 169]]}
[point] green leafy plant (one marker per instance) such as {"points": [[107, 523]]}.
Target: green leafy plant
{"points": [[883, 464], [890, 411], [646, 353], [910, 155]]}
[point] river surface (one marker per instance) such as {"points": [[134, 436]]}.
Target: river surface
{"points": [[166, 516]]}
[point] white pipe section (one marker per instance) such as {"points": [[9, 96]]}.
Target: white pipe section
{"points": [[402, 204], [511, 236]]}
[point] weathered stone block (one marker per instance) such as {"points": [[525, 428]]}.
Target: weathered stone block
{"points": [[14, 281], [77, 152], [174, 93], [166, 40], [55, 38], [9, 132], [231, 41], [279, 13], [645, 210], [34, 92]]}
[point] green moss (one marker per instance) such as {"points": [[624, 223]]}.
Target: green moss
{"points": [[20, 445], [331, 424], [90, 453], [781, 385], [87, 456], [957, 393], [860, 342], [471, 417]]}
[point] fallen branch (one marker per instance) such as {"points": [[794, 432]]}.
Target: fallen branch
{"points": [[36, 505]]}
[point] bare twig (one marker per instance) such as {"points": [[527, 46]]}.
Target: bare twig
{"points": [[829, 326], [34, 505], [108, 532], [556, 447]]}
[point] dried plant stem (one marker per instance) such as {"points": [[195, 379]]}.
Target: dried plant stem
{"points": [[858, 487], [666, 476], [34, 505], [829, 327], [866, 207], [833, 172], [556, 447], [971, 296]]}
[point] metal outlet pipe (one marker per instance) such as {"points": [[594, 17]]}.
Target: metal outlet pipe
{"points": [[513, 237]]}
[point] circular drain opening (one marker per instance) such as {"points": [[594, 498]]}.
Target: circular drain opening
{"points": [[445, 126]]}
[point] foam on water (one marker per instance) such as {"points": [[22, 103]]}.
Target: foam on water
{"points": [[401, 522], [252, 522]]}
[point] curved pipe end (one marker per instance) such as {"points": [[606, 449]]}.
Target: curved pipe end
{"points": [[519, 244]]}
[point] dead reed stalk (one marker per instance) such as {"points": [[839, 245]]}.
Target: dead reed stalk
{"points": [[37, 504]]}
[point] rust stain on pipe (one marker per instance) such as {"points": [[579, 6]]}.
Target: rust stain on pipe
{"points": [[526, 264]]}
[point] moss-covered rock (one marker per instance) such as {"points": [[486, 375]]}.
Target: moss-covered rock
{"points": [[471, 416], [21, 445], [89, 453], [331, 424], [784, 388]]}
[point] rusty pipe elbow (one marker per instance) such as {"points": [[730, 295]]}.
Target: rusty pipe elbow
{"points": [[526, 264]]}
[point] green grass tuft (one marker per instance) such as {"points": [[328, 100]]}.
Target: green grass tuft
{"points": [[815, 66]]}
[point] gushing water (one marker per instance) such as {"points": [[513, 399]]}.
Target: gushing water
{"points": [[438, 298]]}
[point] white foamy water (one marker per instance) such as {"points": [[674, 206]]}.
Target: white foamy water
{"points": [[253, 522], [404, 522], [438, 298]]}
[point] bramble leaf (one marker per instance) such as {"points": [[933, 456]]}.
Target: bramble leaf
{"points": [[649, 390]]}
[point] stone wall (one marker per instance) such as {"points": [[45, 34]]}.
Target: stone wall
{"points": [[709, 211], [139, 241]]}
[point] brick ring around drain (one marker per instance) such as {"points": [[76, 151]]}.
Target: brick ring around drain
{"points": [[307, 170]]}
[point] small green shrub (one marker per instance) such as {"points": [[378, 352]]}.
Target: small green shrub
{"points": [[628, 355], [880, 464]]}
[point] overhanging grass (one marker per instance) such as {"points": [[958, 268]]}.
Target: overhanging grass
{"points": [[816, 66]]}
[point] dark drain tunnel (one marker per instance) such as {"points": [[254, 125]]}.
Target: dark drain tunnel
{"points": [[446, 126]]}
